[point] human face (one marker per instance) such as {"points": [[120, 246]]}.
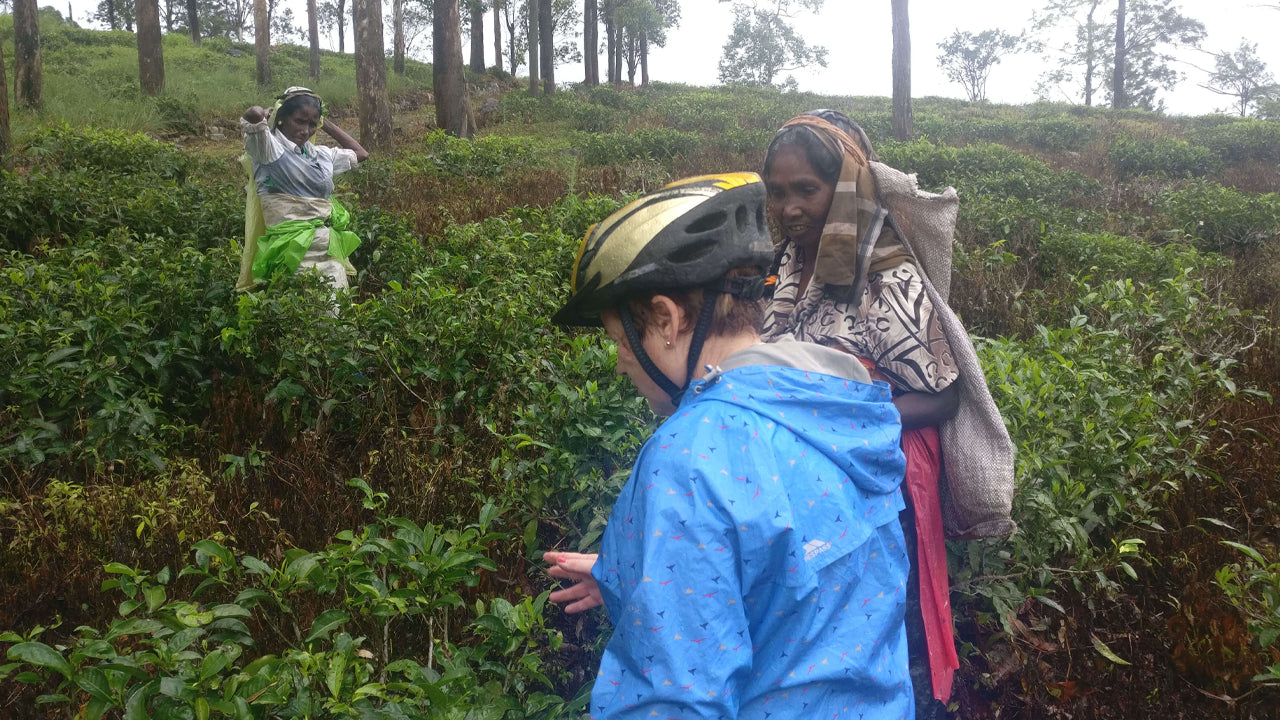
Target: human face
{"points": [[299, 126], [659, 351], [798, 198]]}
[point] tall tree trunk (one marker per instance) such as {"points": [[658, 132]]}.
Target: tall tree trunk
{"points": [[477, 37], [611, 43], [313, 37], [631, 58], [511, 36], [619, 49], [371, 74], [547, 36], [497, 34], [591, 42], [397, 36], [27, 74], [6, 140], [168, 14], [112, 22], [150, 50], [342, 19], [452, 113], [262, 42], [193, 20], [535, 66], [644, 59], [1118, 97], [902, 121]]}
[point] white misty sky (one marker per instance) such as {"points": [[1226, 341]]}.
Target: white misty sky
{"points": [[857, 36]]}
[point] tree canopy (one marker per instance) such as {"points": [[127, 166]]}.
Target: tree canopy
{"points": [[763, 44], [967, 58]]}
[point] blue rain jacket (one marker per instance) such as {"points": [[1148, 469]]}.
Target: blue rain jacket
{"points": [[754, 566]]}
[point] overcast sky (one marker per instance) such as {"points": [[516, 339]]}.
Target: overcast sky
{"points": [[857, 36]]}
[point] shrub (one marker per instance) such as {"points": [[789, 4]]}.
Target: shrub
{"points": [[488, 156], [1166, 157], [177, 652], [1244, 140], [1104, 256], [1107, 413], [988, 169], [657, 143], [1220, 217], [1057, 134], [110, 151]]}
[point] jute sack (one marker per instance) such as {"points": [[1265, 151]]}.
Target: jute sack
{"points": [[977, 454]]}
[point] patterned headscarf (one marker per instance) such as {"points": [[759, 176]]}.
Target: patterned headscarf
{"points": [[855, 241]]}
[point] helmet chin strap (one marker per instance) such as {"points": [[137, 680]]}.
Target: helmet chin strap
{"points": [[700, 331]]}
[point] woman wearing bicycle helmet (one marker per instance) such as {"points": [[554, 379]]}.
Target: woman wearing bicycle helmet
{"points": [[753, 565]]}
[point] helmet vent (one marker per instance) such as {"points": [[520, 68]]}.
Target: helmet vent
{"points": [[710, 221], [694, 251], [760, 221], [742, 216]]}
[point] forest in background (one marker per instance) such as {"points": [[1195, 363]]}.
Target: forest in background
{"points": [[226, 505]]}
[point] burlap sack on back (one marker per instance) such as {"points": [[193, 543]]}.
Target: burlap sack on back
{"points": [[977, 453]]}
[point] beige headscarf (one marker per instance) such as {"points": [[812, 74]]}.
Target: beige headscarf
{"points": [[855, 241]]}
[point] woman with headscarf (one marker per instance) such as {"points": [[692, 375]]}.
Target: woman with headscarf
{"points": [[847, 278], [292, 221]]}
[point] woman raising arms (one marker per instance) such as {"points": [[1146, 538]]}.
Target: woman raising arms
{"points": [[301, 225]]}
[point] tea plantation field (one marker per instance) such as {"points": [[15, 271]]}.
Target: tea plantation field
{"points": [[217, 504]]}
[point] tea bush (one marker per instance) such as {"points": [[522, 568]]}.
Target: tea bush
{"points": [[205, 652], [1104, 411], [489, 156], [988, 169], [1242, 140], [1165, 157], [1057, 134], [1221, 218], [109, 151], [1104, 256], [657, 143]]}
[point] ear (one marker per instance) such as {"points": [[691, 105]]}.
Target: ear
{"points": [[669, 319]]}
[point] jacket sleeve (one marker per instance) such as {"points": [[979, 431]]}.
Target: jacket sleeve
{"points": [[669, 562]]}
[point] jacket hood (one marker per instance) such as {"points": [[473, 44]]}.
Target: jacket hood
{"points": [[823, 396]]}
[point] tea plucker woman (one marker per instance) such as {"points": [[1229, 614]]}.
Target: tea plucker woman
{"points": [[301, 226], [848, 279], [753, 565]]}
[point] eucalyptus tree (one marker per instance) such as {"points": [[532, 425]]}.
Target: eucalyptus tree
{"points": [[27, 73], [547, 51], [903, 123], [262, 42], [764, 44], [193, 20], [1085, 49], [476, 10], [313, 39], [452, 113], [967, 59], [1243, 75], [150, 48], [371, 74], [397, 36], [497, 33], [644, 23], [591, 42], [6, 140], [1152, 31]]}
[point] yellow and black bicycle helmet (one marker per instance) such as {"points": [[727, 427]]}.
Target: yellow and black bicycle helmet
{"points": [[687, 235]]}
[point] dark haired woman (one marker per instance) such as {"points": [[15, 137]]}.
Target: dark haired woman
{"points": [[298, 225], [846, 279]]}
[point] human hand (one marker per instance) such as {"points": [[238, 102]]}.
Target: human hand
{"points": [[255, 114], [584, 593]]}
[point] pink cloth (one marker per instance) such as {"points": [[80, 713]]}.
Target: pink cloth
{"points": [[924, 469]]}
